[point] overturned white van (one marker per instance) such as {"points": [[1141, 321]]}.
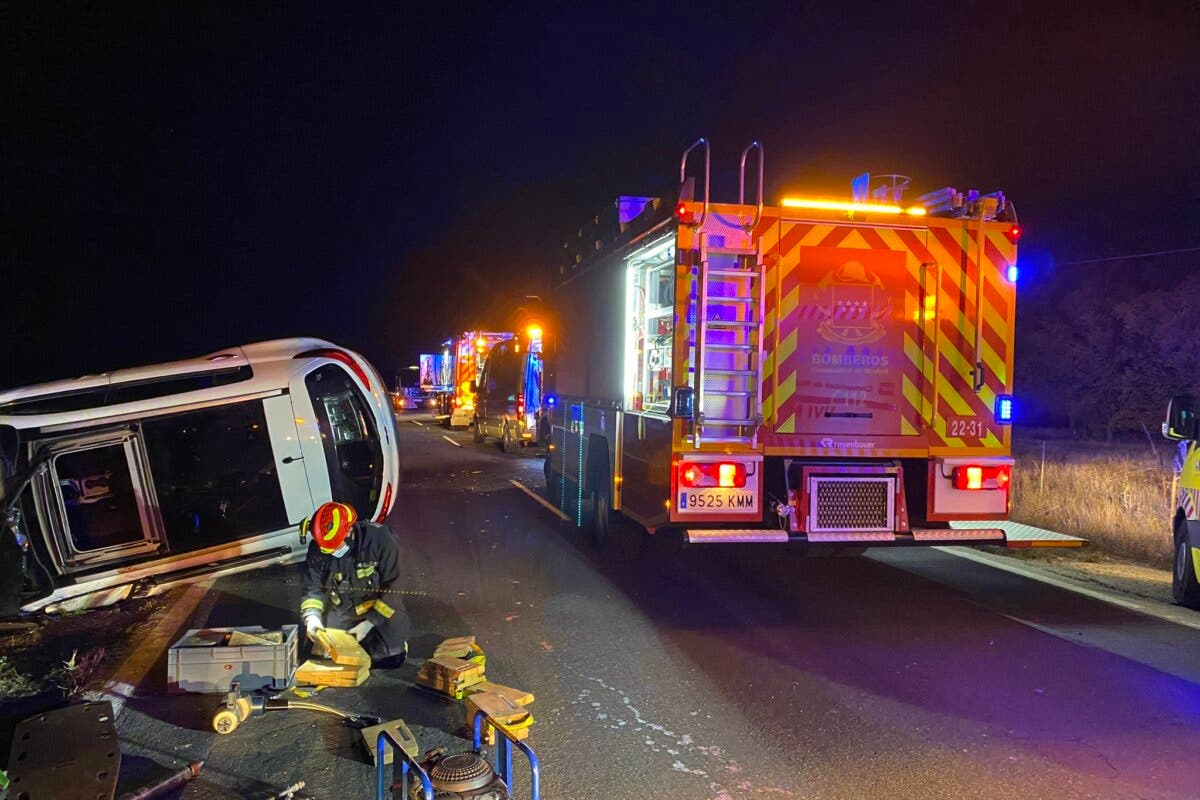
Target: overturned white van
{"points": [[126, 483]]}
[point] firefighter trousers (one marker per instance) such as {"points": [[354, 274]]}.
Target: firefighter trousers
{"points": [[387, 642]]}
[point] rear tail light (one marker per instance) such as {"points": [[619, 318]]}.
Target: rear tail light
{"points": [[387, 504], [971, 478], [725, 474], [520, 405], [341, 356]]}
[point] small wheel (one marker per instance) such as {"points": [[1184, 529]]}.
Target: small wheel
{"points": [[477, 432], [1183, 577], [225, 721], [508, 439]]}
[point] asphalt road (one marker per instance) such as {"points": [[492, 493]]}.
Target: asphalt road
{"points": [[720, 672]]}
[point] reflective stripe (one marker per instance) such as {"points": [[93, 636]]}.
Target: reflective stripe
{"points": [[363, 608], [384, 609], [312, 604]]}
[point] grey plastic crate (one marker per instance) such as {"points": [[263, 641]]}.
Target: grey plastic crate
{"points": [[196, 667]]}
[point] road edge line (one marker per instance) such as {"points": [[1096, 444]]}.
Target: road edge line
{"points": [[543, 502], [1149, 608], [451, 441]]}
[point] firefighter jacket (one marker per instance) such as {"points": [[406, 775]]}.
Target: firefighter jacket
{"points": [[365, 582]]}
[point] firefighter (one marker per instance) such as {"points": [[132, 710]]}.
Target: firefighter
{"points": [[352, 582]]}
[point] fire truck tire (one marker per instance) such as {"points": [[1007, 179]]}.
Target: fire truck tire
{"points": [[1183, 577], [477, 432], [600, 519]]}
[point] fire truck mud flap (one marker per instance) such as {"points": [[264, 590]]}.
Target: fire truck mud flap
{"points": [[735, 535]]}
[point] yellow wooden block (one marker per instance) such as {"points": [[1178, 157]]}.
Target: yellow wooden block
{"points": [[342, 647], [518, 696], [450, 675], [326, 673], [458, 647], [510, 716]]}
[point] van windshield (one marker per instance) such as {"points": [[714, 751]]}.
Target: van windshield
{"points": [[352, 449]]}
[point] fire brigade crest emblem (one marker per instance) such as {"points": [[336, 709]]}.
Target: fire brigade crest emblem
{"points": [[853, 304]]}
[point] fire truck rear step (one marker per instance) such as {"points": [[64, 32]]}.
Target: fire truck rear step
{"points": [[736, 535]]}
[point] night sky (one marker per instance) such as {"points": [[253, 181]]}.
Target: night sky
{"points": [[178, 181]]}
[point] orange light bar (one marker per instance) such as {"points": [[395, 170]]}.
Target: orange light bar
{"points": [[843, 205], [534, 331]]}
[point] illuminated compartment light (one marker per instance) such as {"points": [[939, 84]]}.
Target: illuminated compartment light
{"points": [[845, 205]]}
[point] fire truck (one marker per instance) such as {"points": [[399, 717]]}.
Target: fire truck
{"points": [[822, 371], [470, 351]]}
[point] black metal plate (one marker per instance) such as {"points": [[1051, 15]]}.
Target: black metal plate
{"points": [[71, 753]]}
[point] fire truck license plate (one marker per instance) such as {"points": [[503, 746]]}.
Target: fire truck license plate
{"points": [[711, 499]]}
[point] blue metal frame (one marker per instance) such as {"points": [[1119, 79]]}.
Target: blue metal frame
{"points": [[502, 759], [383, 787]]}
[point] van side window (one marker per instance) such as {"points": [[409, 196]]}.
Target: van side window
{"points": [[352, 448], [214, 473]]}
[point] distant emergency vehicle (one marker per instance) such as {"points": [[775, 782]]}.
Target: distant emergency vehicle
{"points": [[470, 351], [508, 401], [821, 371], [126, 483], [1183, 426]]}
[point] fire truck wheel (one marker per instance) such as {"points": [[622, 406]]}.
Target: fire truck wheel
{"points": [[1183, 576], [508, 439], [477, 432], [600, 520]]}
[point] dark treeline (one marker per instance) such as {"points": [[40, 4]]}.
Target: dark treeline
{"points": [[1101, 347]]}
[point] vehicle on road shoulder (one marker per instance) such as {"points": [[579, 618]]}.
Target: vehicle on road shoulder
{"points": [[125, 483], [508, 400], [1183, 426]]}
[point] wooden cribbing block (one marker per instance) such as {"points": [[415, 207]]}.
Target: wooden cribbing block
{"points": [[343, 648], [458, 647], [450, 676], [518, 696], [326, 673], [514, 719]]}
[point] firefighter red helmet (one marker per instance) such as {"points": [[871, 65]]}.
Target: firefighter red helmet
{"points": [[330, 525]]}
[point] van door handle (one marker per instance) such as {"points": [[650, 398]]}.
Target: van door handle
{"points": [[290, 459]]}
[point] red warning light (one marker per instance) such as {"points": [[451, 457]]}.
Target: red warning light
{"points": [[682, 212], [1014, 233]]}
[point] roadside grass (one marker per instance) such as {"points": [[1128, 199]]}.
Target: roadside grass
{"points": [[1118, 497]]}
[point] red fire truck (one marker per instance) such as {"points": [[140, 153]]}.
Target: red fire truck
{"points": [[820, 371], [470, 351]]}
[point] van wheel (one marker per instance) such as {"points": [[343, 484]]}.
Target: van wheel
{"points": [[477, 432], [600, 522], [1183, 577], [508, 439]]}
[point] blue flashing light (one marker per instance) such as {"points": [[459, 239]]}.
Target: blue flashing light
{"points": [[1004, 409], [551, 400], [1012, 273]]}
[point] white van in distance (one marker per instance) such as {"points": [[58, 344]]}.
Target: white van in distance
{"points": [[126, 483]]}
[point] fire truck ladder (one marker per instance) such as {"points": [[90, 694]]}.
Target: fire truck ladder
{"points": [[729, 340]]}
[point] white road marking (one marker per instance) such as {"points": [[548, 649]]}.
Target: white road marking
{"points": [[1167, 613], [418, 424], [451, 441], [540, 500]]}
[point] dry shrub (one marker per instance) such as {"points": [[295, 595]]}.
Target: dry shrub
{"points": [[1118, 499]]}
